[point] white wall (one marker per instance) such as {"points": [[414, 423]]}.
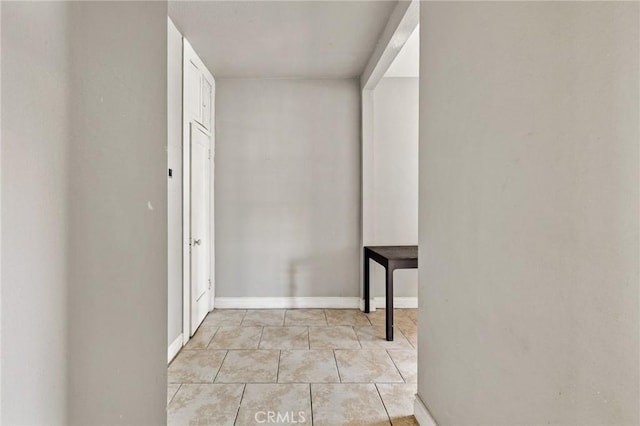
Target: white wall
{"points": [[287, 185], [174, 184], [529, 213], [35, 134], [394, 210]]}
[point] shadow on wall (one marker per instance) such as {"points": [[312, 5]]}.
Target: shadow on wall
{"points": [[305, 274]]}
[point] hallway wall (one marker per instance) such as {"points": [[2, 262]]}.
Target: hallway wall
{"points": [[287, 188], [117, 307], [35, 135], [529, 207], [84, 220]]}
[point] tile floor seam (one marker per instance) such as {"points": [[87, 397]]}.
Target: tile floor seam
{"points": [[358, 336], [174, 394], [396, 365], [337, 366], [415, 347], [309, 338], [406, 338], [260, 340], [220, 368], [278, 370], [311, 403], [212, 336], [353, 327], [383, 404], [244, 389]]}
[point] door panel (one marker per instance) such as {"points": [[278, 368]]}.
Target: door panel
{"points": [[193, 91], [200, 241], [206, 103]]}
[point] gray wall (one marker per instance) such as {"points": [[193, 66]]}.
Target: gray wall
{"points": [[117, 308], [394, 212], [35, 134], [287, 188], [529, 213], [174, 184], [84, 273]]}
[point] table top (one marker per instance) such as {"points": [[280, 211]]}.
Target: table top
{"points": [[395, 252]]}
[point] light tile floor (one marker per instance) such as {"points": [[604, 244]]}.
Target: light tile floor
{"points": [[309, 366]]}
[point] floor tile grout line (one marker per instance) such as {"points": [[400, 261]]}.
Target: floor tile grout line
{"points": [[368, 319], [260, 339], [220, 368], [174, 394], [383, 404], [357, 337], [311, 403], [246, 311], [278, 370], [396, 365], [335, 358], [244, 388], [406, 338], [212, 336]]}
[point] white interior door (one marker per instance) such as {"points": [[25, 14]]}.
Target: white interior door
{"points": [[197, 191], [200, 216]]}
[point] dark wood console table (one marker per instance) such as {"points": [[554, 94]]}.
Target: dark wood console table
{"points": [[392, 258]]}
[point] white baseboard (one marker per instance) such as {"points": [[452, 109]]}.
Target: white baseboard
{"points": [[398, 302], [287, 302], [310, 302], [174, 348], [422, 414], [372, 305]]}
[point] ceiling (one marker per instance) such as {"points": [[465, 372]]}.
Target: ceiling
{"points": [[407, 63], [284, 39]]}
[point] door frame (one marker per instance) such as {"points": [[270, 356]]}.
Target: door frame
{"points": [[403, 21], [189, 54]]}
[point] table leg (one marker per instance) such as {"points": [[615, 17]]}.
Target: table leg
{"points": [[367, 308], [389, 303]]}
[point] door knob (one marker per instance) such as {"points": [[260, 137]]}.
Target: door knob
{"points": [[196, 242]]}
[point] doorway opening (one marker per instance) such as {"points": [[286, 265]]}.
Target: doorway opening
{"points": [[390, 86]]}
